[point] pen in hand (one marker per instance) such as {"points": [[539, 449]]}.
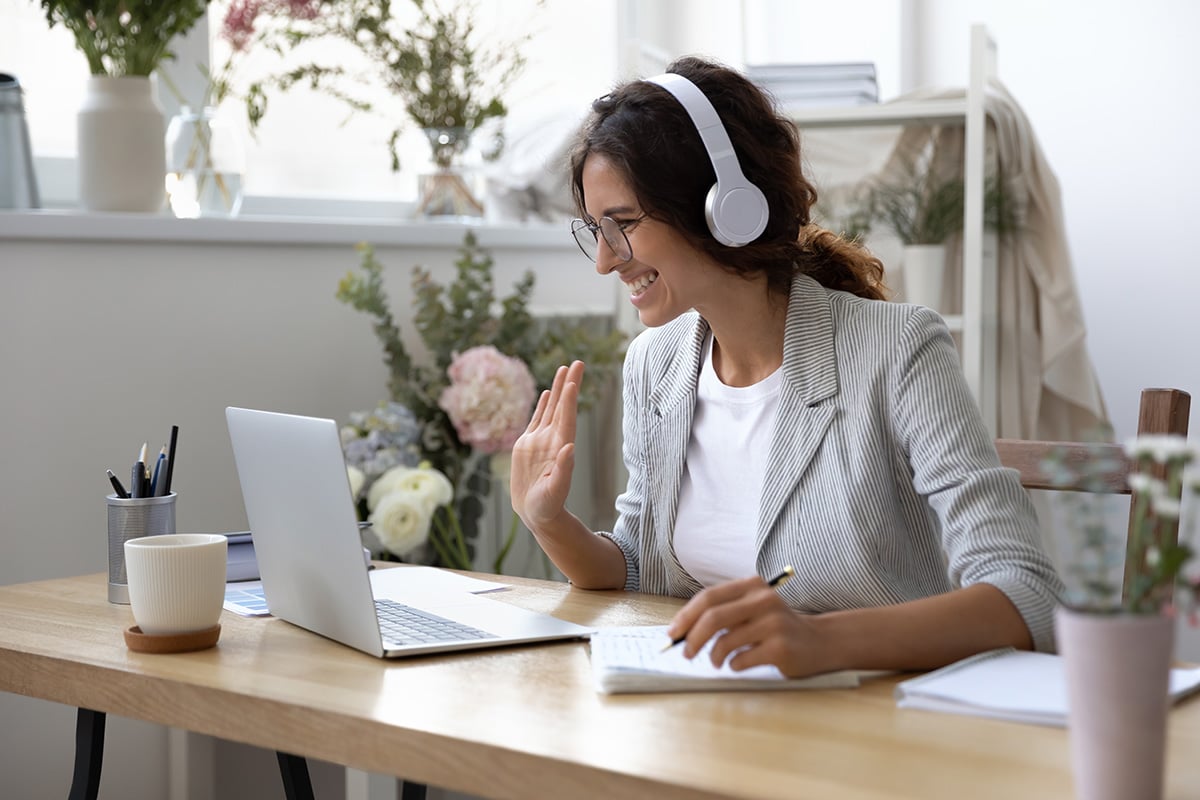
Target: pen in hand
{"points": [[774, 583]]}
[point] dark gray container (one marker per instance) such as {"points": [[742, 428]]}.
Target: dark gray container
{"points": [[18, 184]]}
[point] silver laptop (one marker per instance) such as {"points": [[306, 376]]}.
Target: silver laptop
{"points": [[310, 556]]}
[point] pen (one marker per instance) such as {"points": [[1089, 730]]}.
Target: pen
{"points": [[116, 484], [774, 583], [137, 478], [159, 481], [171, 459]]}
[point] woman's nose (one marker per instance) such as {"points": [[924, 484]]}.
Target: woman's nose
{"points": [[606, 259]]}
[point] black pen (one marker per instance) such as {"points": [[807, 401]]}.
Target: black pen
{"points": [[774, 583], [116, 484], [171, 459]]}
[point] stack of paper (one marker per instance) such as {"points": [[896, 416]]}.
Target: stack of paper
{"points": [[632, 660], [1010, 685]]}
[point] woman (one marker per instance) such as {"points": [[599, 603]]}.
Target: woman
{"points": [[777, 412]]}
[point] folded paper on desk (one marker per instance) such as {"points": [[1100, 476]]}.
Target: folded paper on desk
{"points": [[1011, 685], [631, 660]]}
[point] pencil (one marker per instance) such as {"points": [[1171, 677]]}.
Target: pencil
{"points": [[774, 583]]}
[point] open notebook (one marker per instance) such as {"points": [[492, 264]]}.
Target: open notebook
{"points": [[631, 660], [1011, 685]]}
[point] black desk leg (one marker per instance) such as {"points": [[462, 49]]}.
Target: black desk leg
{"points": [[412, 791], [296, 783], [89, 754]]}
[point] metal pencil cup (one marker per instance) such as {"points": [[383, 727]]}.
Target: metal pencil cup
{"points": [[129, 519]]}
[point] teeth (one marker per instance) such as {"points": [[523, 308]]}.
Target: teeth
{"points": [[641, 284]]}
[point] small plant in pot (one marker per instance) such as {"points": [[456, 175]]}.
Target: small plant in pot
{"points": [[924, 209], [1117, 636], [122, 157]]}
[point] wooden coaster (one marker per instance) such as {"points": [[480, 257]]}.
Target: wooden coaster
{"points": [[173, 643]]}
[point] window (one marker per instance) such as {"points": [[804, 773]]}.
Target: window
{"points": [[308, 145]]}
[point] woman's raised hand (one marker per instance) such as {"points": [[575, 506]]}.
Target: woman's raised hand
{"points": [[544, 457]]}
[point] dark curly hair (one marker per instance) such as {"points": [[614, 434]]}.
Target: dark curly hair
{"points": [[647, 135]]}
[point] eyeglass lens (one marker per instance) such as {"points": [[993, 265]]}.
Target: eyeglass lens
{"points": [[586, 237]]}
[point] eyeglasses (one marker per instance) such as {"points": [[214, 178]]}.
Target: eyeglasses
{"points": [[587, 236]]}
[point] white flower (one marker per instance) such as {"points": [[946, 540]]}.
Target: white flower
{"points": [[401, 522], [385, 484], [1164, 506], [1152, 556], [1162, 448], [1141, 482], [426, 484], [357, 479]]}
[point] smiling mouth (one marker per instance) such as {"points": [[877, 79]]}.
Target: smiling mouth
{"points": [[642, 282]]}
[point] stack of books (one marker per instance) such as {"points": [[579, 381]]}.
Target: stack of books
{"points": [[817, 85]]}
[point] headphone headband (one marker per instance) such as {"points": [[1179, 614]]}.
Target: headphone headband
{"points": [[736, 210]]}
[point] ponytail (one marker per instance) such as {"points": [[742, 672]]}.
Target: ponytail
{"points": [[839, 263]]}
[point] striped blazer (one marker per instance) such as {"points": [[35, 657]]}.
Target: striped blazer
{"points": [[882, 482]]}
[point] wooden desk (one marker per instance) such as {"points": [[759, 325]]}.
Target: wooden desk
{"points": [[525, 722]]}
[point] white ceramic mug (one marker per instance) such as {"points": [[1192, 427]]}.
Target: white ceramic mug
{"points": [[176, 581]]}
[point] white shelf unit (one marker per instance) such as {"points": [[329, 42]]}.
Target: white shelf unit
{"points": [[978, 322]]}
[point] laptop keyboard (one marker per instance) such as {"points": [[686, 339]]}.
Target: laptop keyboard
{"points": [[405, 625]]}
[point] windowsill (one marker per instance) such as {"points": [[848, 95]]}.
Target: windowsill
{"points": [[73, 225]]}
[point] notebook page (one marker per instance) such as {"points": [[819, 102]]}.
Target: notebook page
{"points": [[632, 660]]}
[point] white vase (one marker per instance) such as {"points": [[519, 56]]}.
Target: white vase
{"points": [[924, 267], [1117, 671], [122, 160]]}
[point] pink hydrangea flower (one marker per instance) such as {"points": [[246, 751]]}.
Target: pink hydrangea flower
{"points": [[489, 398]]}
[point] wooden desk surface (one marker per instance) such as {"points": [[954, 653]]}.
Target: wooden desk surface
{"points": [[524, 721]]}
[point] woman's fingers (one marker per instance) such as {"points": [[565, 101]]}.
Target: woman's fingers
{"points": [[538, 411], [688, 616]]}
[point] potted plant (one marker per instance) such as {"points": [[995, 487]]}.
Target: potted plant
{"points": [[1118, 642], [122, 159], [924, 209]]}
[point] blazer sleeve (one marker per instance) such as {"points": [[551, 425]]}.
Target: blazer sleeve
{"points": [[989, 529]]}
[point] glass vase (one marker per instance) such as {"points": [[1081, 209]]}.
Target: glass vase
{"points": [[449, 190], [205, 164]]}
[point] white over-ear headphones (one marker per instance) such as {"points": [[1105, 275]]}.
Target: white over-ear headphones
{"points": [[736, 209]]}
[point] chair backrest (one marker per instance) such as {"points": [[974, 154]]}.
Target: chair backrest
{"points": [[1162, 411]]}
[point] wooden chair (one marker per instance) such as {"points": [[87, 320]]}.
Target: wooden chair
{"points": [[1162, 411]]}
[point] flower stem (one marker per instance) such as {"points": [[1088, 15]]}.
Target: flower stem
{"points": [[442, 543], [498, 564]]}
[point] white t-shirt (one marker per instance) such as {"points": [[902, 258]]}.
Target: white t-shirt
{"points": [[717, 520]]}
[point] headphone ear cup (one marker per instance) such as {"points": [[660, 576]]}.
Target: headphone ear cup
{"points": [[736, 216]]}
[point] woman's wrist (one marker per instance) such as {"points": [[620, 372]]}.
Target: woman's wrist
{"points": [[836, 636]]}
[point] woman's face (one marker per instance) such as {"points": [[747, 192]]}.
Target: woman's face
{"points": [[667, 276]]}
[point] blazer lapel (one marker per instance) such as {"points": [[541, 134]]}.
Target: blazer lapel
{"points": [[810, 376]]}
